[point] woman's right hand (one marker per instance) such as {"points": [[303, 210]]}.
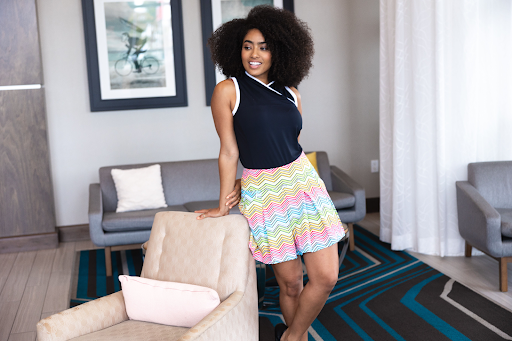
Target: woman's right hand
{"points": [[212, 213]]}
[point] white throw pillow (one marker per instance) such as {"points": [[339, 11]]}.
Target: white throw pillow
{"points": [[139, 188], [170, 303]]}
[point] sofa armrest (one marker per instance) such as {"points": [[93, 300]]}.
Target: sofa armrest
{"points": [[84, 319], [479, 222], [342, 182], [96, 215]]}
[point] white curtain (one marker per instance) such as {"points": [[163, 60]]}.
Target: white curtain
{"points": [[445, 101]]}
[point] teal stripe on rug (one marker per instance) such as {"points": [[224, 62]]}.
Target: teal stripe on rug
{"points": [[427, 315], [83, 270], [101, 275]]}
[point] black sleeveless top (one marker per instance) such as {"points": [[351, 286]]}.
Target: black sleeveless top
{"points": [[267, 124]]}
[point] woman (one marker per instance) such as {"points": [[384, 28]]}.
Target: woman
{"points": [[258, 117]]}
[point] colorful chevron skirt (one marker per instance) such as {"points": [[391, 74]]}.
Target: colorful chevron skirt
{"points": [[289, 212]]}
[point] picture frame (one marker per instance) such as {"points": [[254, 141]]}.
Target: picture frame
{"points": [[211, 19], [135, 54]]}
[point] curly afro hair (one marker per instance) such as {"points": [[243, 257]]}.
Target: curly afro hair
{"points": [[287, 37]]}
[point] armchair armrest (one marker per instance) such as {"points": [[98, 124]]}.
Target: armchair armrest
{"points": [[479, 222], [84, 319], [342, 182], [200, 331], [96, 215]]}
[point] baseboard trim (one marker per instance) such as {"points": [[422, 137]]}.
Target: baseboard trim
{"points": [[31, 242], [372, 205], [74, 233]]}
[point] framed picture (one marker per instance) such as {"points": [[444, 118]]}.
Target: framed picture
{"points": [[135, 54], [213, 14]]}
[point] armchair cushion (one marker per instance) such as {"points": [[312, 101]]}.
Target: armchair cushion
{"points": [[134, 220], [132, 330], [506, 221], [342, 200], [151, 301]]}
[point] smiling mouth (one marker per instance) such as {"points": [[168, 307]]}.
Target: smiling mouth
{"points": [[254, 65]]}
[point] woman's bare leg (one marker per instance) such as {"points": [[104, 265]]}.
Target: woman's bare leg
{"points": [[289, 277], [323, 271]]}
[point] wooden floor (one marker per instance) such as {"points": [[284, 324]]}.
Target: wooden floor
{"points": [[34, 285]]}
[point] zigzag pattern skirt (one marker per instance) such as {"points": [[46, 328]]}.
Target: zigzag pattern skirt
{"points": [[289, 212]]}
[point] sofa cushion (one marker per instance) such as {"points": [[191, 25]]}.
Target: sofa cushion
{"points": [[342, 200], [139, 188], [134, 220], [312, 159], [201, 205], [506, 221]]}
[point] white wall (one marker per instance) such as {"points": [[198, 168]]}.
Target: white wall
{"points": [[340, 101], [341, 96]]}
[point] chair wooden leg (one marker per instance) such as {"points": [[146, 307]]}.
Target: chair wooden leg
{"points": [[503, 274], [108, 260], [352, 243], [467, 252]]}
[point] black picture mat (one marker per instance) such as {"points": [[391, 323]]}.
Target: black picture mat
{"points": [[207, 28], [91, 50]]}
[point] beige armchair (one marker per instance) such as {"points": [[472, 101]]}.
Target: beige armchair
{"points": [[211, 253]]}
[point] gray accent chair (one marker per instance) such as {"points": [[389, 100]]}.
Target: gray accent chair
{"points": [[484, 208], [346, 194], [188, 186]]}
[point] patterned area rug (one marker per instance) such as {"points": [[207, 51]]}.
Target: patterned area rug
{"points": [[380, 295]]}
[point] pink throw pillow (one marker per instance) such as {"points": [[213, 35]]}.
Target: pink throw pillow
{"points": [[169, 303]]}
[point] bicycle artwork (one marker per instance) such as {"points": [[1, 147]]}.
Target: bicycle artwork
{"points": [[136, 61], [127, 65], [135, 56]]}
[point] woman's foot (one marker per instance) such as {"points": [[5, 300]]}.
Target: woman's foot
{"points": [[279, 330]]}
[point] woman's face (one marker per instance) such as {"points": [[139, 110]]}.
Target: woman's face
{"points": [[256, 57]]}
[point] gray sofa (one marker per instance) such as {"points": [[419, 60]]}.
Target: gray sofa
{"points": [[484, 208], [190, 186]]}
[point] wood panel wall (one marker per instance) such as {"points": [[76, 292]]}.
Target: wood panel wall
{"points": [[26, 194], [27, 213], [20, 56]]}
